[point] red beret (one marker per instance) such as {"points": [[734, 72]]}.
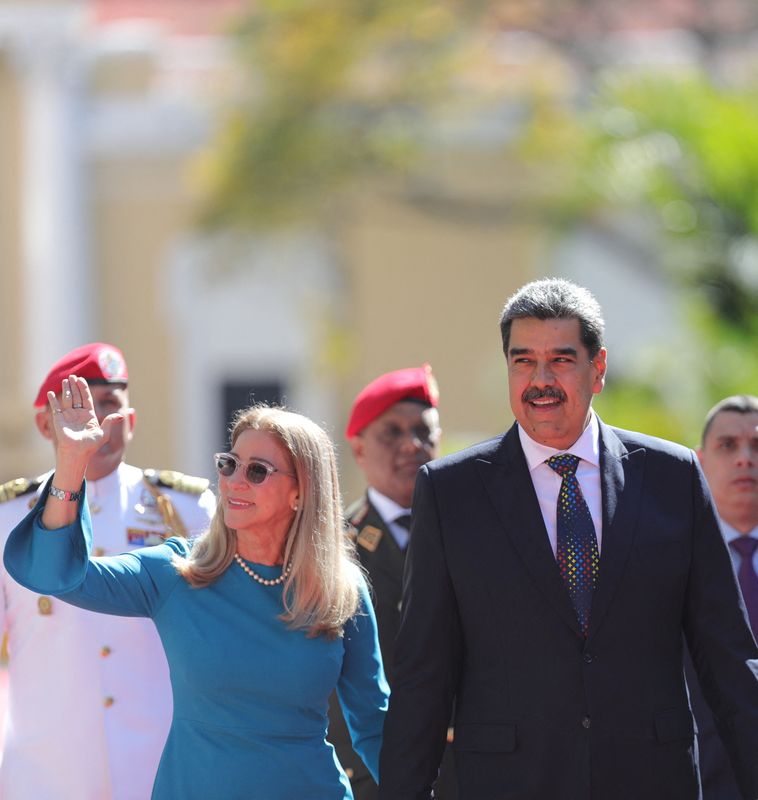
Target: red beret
{"points": [[97, 362], [414, 383]]}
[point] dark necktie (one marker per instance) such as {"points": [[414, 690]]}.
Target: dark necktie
{"points": [[576, 551], [404, 521], [746, 546]]}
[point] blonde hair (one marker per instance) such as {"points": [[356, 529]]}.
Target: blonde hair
{"points": [[321, 592]]}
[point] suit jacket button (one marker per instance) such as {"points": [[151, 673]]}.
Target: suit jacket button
{"points": [[586, 722], [587, 657]]}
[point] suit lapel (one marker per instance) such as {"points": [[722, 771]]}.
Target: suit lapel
{"points": [[621, 474], [510, 488]]}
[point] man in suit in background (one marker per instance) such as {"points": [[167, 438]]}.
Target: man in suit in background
{"points": [[393, 430], [551, 574], [728, 454]]}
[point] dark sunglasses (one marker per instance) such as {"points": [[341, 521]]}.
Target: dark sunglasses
{"points": [[255, 472]]}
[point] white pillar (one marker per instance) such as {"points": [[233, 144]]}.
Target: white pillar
{"points": [[57, 286]]}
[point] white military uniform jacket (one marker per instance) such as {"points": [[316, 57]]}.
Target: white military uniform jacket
{"points": [[89, 696]]}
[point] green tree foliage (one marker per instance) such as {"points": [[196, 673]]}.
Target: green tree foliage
{"points": [[689, 151], [331, 90], [675, 382], [681, 152]]}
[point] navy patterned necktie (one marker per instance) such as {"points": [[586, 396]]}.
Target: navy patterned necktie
{"points": [[576, 552], [746, 546]]}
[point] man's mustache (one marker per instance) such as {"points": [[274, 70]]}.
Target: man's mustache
{"points": [[533, 393]]}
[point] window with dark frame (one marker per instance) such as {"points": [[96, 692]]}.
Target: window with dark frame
{"points": [[241, 394]]}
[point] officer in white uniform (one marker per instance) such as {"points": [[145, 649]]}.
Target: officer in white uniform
{"points": [[89, 699]]}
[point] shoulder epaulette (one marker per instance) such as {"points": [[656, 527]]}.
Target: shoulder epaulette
{"points": [[18, 487], [369, 537], [356, 513], [178, 481], [351, 531]]}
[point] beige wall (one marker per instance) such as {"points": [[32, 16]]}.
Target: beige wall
{"points": [[136, 207], [20, 450], [9, 226], [426, 275], [428, 281], [138, 211]]}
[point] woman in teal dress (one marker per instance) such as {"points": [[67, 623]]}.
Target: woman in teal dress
{"points": [[261, 617]]}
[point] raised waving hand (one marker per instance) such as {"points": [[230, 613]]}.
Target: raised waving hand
{"points": [[77, 434]]}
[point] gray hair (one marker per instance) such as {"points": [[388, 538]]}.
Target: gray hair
{"points": [[555, 298], [738, 403]]}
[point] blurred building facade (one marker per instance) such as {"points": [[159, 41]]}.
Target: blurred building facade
{"points": [[103, 107], [101, 117]]}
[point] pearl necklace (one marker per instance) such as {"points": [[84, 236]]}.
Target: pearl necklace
{"points": [[256, 577]]}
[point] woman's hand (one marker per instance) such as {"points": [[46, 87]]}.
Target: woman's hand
{"points": [[77, 435], [77, 432]]}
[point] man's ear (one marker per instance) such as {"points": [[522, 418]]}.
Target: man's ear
{"points": [[44, 423], [356, 446], [601, 365]]}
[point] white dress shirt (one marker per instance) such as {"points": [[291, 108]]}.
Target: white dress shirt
{"points": [[389, 511], [547, 482]]}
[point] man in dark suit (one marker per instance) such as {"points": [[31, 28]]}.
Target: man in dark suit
{"points": [[728, 454], [551, 574], [393, 430]]}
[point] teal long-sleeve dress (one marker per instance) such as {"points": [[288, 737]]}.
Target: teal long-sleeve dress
{"points": [[250, 694]]}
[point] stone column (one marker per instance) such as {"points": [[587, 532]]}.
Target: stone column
{"points": [[56, 284]]}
